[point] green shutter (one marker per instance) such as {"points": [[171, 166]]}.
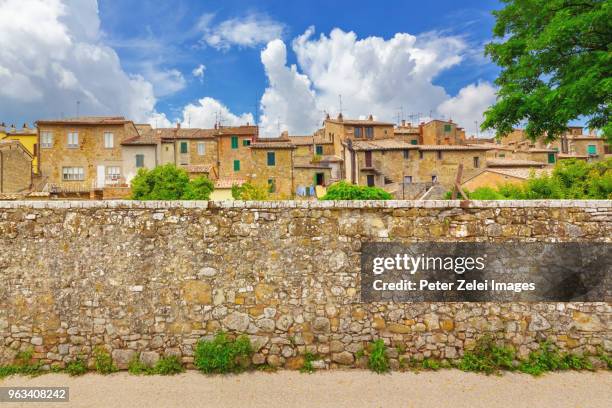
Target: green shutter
{"points": [[592, 149], [234, 142], [246, 142], [447, 128], [414, 142], [320, 150], [139, 160], [271, 159], [551, 158], [236, 165], [184, 147]]}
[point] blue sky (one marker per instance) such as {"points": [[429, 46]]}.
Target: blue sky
{"points": [[237, 77], [284, 63]]}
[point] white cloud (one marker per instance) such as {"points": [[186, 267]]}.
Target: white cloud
{"points": [[468, 105], [248, 31], [52, 55], [289, 101], [207, 111], [198, 71], [374, 76], [165, 81]]}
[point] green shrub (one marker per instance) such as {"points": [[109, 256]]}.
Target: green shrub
{"points": [[548, 358], [250, 191], [169, 182], [103, 362], [430, 364], [137, 367], [223, 355], [308, 367], [23, 365], [76, 367], [378, 360], [487, 357], [169, 365], [343, 190]]}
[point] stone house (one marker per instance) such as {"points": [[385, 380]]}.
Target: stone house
{"points": [[441, 132], [15, 167], [233, 151], [272, 165], [27, 136], [84, 152], [140, 151], [339, 130]]}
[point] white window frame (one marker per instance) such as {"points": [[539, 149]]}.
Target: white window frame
{"points": [[73, 140], [201, 148], [46, 140], [113, 173], [73, 174], [109, 140]]}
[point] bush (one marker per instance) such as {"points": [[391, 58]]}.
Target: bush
{"points": [[23, 365], [548, 358], [378, 360], [169, 365], [76, 367], [487, 357], [347, 191], [103, 361], [169, 182], [308, 367], [249, 191], [223, 355]]}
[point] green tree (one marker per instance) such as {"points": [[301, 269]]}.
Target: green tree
{"points": [[169, 182], [347, 191], [250, 191], [556, 60]]}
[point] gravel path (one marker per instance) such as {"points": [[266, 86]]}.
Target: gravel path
{"points": [[350, 389]]}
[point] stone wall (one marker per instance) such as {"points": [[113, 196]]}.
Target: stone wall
{"points": [[15, 167], [155, 277]]}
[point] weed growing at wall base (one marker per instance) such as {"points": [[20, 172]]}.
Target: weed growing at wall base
{"points": [[378, 361], [223, 354]]}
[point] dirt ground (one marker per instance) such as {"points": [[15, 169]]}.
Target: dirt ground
{"points": [[350, 389]]}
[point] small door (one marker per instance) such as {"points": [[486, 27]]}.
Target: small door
{"points": [[319, 179], [370, 179], [100, 176]]}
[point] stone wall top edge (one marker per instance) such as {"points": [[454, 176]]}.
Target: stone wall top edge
{"points": [[398, 204]]}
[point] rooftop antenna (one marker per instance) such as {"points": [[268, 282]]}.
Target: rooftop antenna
{"points": [[78, 104], [340, 102], [256, 111], [476, 124], [189, 120], [278, 125]]}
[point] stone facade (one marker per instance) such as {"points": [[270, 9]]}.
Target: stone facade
{"points": [[15, 167], [156, 277]]}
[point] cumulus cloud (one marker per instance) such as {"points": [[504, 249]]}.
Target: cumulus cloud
{"points": [[198, 71], [467, 107], [52, 55], [207, 111], [288, 102], [248, 31]]}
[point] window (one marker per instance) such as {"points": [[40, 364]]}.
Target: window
{"points": [[407, 179], [184, 147], [246, 142], [368, 158], [420, 155], [46, 140], [439, 154], [319, 179], [370, 180], [502, 155], [201, 148], [414, 142], [447, 128], [434, 179], [109, 140], [369, 132], [236, 165], [319, 150], [73, 139], [551, 158], [113, 173], [271, 159], [234, 142], [139, 161], [592, 149], [271, 185], [358, 132], [476, 162], [73, 174], [406, 154]]}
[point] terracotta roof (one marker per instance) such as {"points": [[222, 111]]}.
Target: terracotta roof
{"points": [[382, 144], [492, 146], [572, 156], [514, 163], [301, 140], [181, 133], [237, 130], [87, 120], [452, 147], [406, 131], [520, 173], [361, 122], [542, 150], [228, 182], [331, 159], [272, 143], [197, 168], [585, 137]]}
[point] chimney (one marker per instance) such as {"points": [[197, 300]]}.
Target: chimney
{"points": [[450, 121], [178, 125], [340, 117], [25, 126], [370, 117], [285, 134], [327, 116], [403, 123], [13, 129]]}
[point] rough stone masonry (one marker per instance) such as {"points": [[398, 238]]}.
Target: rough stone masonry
{"points": [[155, 277]]}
